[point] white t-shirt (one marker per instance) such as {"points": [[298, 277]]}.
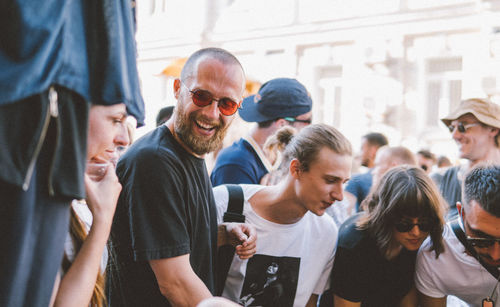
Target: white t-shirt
{"points": [[83, 212], [453, 273], [293, 259]]}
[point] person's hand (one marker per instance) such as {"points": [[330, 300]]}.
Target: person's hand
{"points": [[102, 195], [243, 237]]}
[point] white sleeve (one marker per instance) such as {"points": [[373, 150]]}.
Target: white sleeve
{"points": [[221, 196], [324, 280], [425, 275]]}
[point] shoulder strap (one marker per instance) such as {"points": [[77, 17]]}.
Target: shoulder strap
{"points": [[225, 254], [459, 233], [234, 211]]}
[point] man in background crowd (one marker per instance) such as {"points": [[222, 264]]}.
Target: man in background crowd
{"points": [[475, 128], [359, 186], [279, 102]]}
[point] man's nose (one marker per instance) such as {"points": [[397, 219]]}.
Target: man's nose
{"points": [[494, 251]]}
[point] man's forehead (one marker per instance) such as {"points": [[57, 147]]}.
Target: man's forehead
{"points": [[466, 118]]}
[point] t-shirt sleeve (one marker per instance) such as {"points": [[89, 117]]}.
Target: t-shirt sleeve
{"points": [[221, 196], [424, 276], [155, 199], [347, 275], [323, 283], [232, 173]]}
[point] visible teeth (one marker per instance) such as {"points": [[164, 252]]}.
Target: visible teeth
{"points": [[204, 126]]}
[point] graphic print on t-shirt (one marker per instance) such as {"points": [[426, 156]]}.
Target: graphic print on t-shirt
{"points": [[270, 281]]}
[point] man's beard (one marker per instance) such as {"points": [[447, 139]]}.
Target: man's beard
{"points": [[200, 145]]}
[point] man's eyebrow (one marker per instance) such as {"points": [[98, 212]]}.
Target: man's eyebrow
{"points": [[479, 233]]}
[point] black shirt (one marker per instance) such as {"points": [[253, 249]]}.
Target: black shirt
{"points": [[166, 209], [361, 273]]}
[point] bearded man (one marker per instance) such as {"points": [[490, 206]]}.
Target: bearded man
{"points": [[165, 233]]}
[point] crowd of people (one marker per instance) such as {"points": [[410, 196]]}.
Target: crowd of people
{"points": [[89, 219]]}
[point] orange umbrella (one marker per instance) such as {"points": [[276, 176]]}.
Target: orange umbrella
{"points": [[174, 69]]}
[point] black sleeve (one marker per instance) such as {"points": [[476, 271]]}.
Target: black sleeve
{"points": [[154, 193], [348, 277]]}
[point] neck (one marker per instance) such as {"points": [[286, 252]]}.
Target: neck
{"points": [[260, 135], [170, 126], [278, 204], [393, 251], [492, 155]]}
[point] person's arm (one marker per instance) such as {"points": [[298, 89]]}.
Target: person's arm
{"points": [[410, 299], [78, 283], [177, 281], [340, 302], [313, 301], [427, 301], [242, 236]]}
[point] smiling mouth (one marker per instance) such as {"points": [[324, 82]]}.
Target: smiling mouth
{"points": [[204, 126]]}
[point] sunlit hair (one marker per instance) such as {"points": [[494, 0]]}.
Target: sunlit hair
{"points": [[482, 184], [404, 191], [78, 234], [219, 54], [306, 144]]}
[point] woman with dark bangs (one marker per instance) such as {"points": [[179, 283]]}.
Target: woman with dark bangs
{"points": [[375, 258]]}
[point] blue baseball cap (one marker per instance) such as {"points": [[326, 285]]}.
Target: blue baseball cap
{"points": [[277, 98]]}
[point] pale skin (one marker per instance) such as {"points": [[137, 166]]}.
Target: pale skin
{"points": [[176, 279], [301, 191], [107, 130]]}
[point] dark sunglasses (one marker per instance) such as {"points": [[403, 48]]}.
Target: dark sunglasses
{"points": [[407, 226], [482, 242], [203, 98], [294, 120], [461, 127]]}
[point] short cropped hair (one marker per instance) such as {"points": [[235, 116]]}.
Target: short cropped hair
{"points": [[216, 53], [482, 184], [375, 138]]}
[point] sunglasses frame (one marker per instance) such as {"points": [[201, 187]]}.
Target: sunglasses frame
{"points": [[461, 127], [195, 95], [295, 120], [482, 242], [398, 226]]}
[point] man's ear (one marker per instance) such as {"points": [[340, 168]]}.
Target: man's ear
{"points": [[295, 168], [280, 122], [460, 209], [177, 88]]}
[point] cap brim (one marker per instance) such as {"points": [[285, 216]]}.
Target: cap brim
{"points": [[249, 113]]}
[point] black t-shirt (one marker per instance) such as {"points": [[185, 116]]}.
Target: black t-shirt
{"points": [[166, 209], [361, 274]]}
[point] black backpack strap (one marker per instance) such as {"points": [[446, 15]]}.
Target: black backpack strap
{"points": [[459, 233], [234, 211], [225, 253]]}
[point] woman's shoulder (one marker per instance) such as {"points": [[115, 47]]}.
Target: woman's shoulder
{"points": [[350, 236]]}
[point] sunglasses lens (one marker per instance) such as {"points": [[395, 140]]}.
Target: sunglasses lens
{"points": [[461, 128], [403, 227], [227, 106], [202, 98], [425, 226], [481, 243]]}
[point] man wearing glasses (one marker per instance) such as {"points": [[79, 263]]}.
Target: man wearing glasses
{"points": [[279, 102], [469, 266], [475, 127], [165, 234]]}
